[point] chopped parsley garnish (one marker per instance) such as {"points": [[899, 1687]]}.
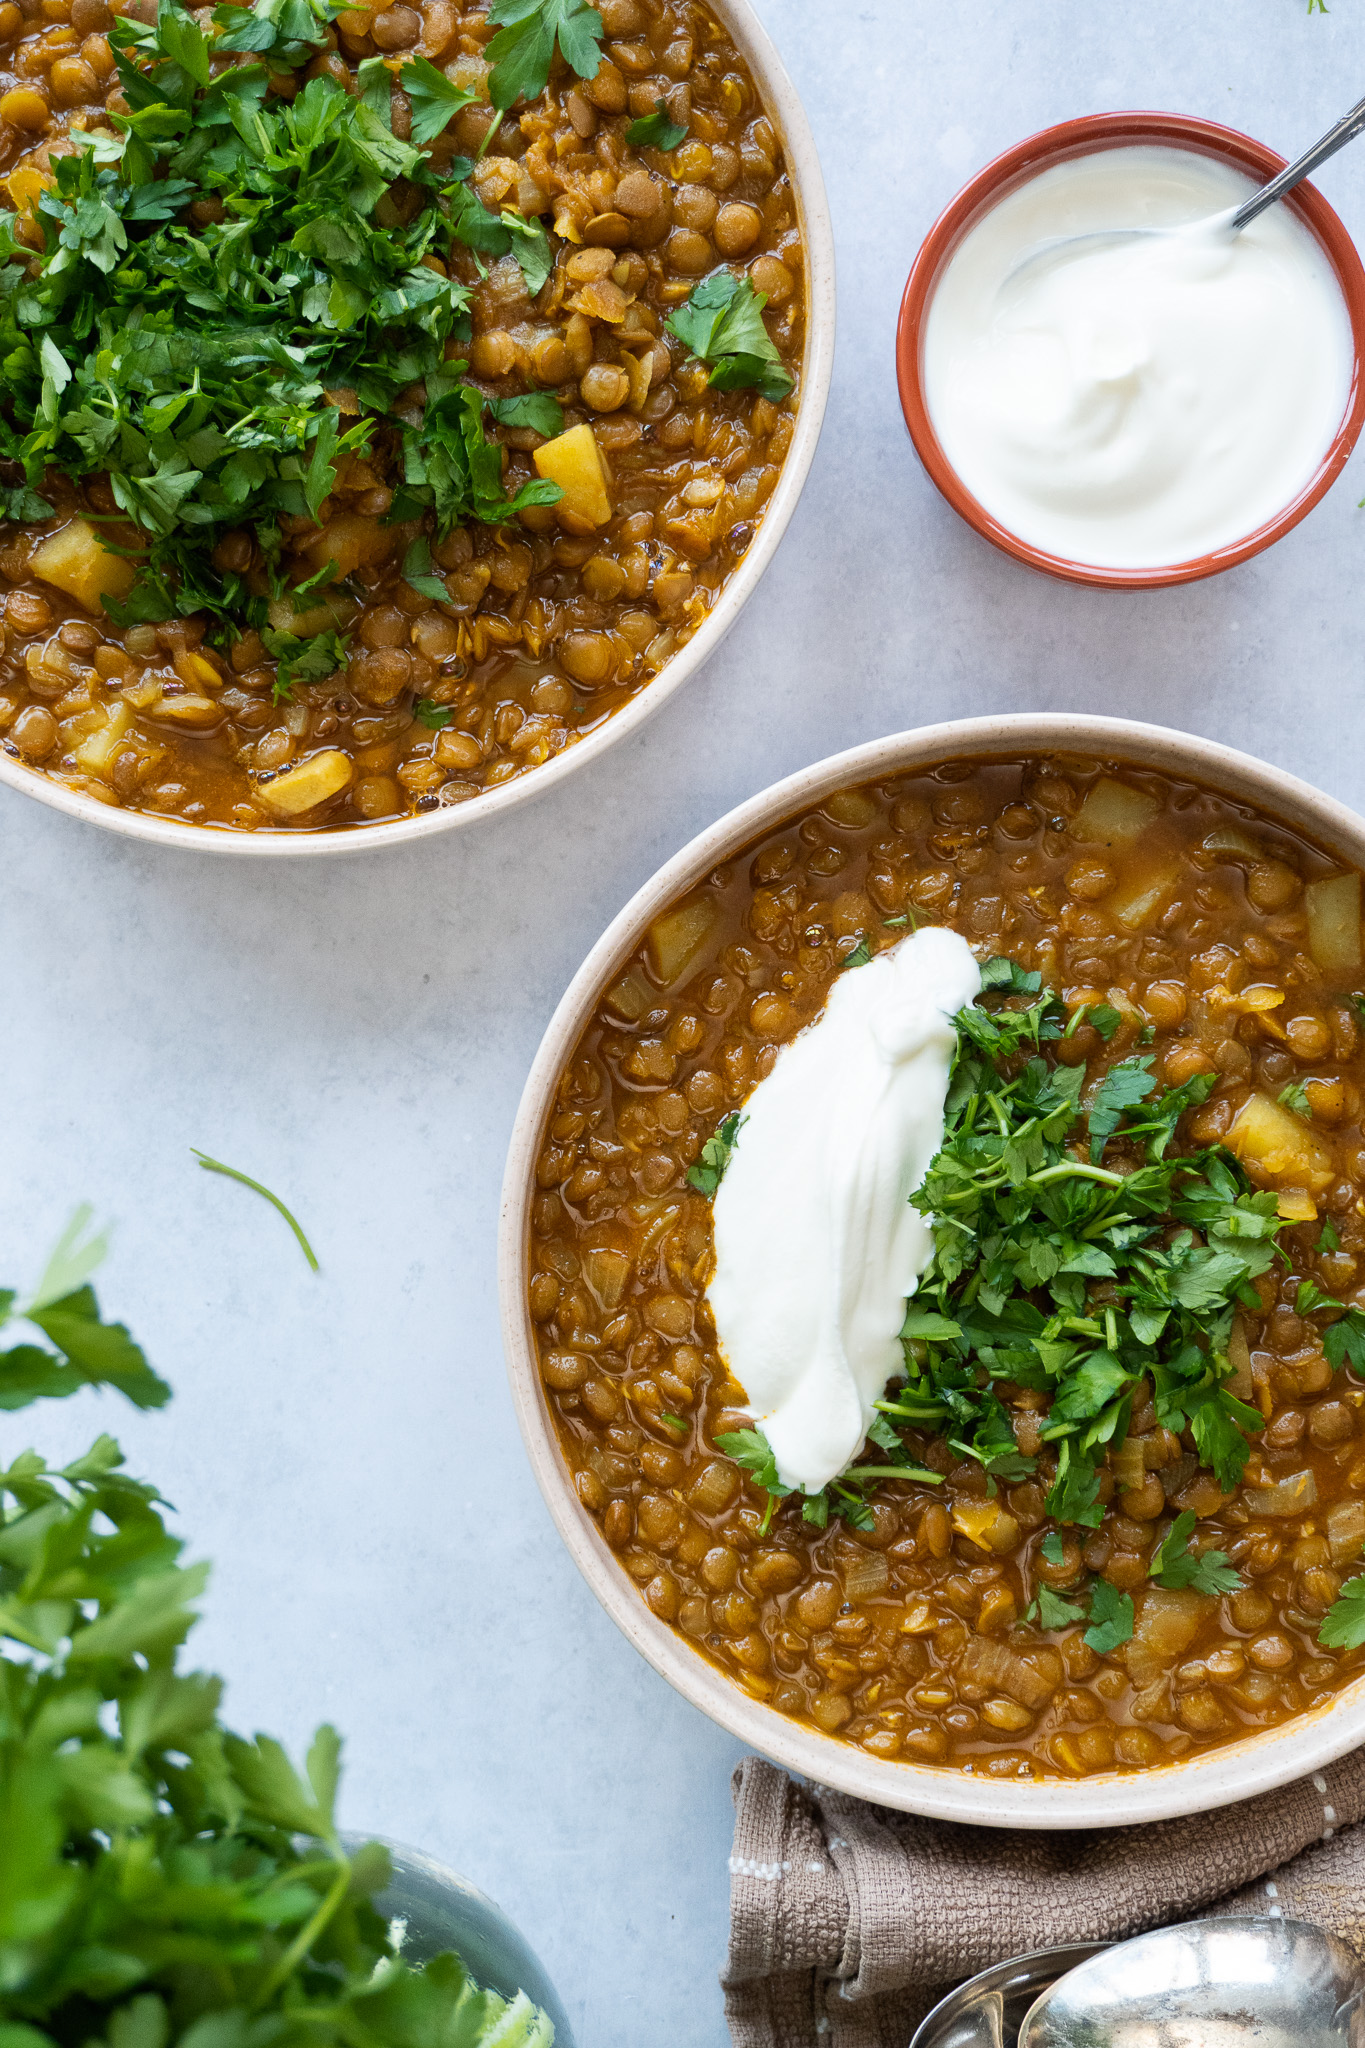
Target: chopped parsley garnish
{"points": [[1049, 1610], [657, 130], [859, 956], [1111, 1618], [534, 409], [435, 717], [303, 661], [217, 1166], [228, 304], [844, 1497], [722, 324], [1074, 1258], [524, 47], [1174, 1566], [1295, 1097], [706, 1175], [1343, 1625], [1077, 1274], [674, 1422]]}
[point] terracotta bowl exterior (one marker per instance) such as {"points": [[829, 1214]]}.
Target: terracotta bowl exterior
{"points": [[1023, 162], [788, 116], [1274, 1757]]}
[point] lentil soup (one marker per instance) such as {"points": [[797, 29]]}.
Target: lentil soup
{"points": [[510, 640], [1228, 945]]}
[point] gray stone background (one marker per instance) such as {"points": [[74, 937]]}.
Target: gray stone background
{"points": [[356, 1035]]}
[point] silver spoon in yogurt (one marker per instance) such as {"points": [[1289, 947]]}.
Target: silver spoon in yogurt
{"points": [[1219, 226]]}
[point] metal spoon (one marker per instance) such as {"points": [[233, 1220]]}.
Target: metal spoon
{"points": [[1226, 224], [1236, 1983]]}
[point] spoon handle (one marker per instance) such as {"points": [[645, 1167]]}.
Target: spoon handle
{"points": [[1346, 130]]}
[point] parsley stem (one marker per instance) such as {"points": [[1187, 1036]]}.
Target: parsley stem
{"points": [[858, 1472], [1073, 1169], [303, 1941], [217, 1166]]}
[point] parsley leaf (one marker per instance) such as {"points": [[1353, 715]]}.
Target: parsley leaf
{"points": [[656, 130], [1343, 1625], [18, 501], [418, 573], [1173, 1566], [1295, 1097], [1050, 1610], [1111, 1618], [722, 324], [1127, 1083], [859, 956], [1105, 1019], [435, 717], [435, 101], [707, 1174], [523, 50], [303, 661], [534, 409]]}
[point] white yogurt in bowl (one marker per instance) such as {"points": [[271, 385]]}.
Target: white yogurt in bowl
{"points": [[1144, 403]]}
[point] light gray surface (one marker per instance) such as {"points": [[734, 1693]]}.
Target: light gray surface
{"points": [[356, 1036]]}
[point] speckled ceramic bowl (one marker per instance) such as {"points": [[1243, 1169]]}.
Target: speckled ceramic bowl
{"points": [[1113, 1799], [786, 112]]}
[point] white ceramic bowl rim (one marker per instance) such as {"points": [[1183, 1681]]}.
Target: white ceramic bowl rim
{"points": [[1260, 1763], [785, 110]]}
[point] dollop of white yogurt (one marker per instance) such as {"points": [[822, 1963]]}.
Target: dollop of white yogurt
{"points": [[1140, 404], [816, 1244]]}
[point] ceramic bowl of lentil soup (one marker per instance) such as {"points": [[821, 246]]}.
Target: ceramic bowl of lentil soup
{"points": [[1050, 1515], [467, 465]]}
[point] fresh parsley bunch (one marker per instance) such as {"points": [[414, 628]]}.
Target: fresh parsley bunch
{"points": [[233, 291], [162, 1879]]}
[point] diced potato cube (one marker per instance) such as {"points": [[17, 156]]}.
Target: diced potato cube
{"points": [[1296, 1205], [307, 785], [574, 462], [677, 938], [311, 783], [1276, 1146], [96, 753], [1114, 813], [1333, 908], [1141, 896], [76, 561], [1167, 1622]]}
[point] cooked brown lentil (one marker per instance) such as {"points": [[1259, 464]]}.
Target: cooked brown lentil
{"points": [[1208, 924], [545, 633]]}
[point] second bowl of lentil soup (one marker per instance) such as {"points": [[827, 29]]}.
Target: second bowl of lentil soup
{"points": [[630, 279], [1169, 1446]]}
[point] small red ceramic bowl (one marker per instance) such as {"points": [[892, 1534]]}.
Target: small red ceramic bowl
{"points": [[1015, 168]]}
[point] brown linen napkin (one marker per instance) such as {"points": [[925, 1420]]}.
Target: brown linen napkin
{"points": [[848, 1922]]}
